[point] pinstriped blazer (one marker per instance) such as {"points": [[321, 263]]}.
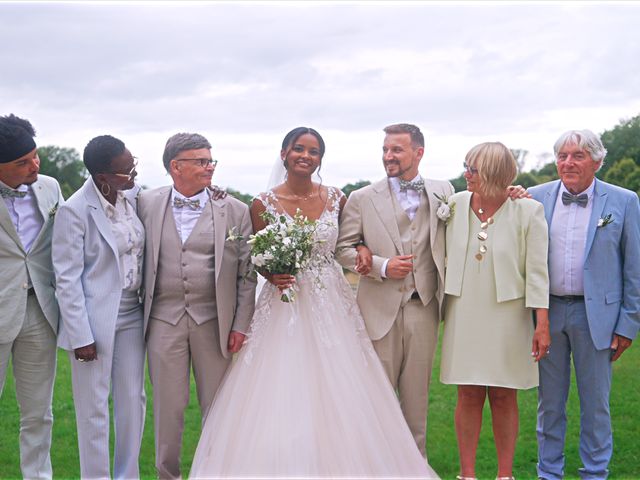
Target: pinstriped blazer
{"points": [[87, 269]]}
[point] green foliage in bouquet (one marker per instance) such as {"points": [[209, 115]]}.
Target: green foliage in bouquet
{"points": [[283, 246]]}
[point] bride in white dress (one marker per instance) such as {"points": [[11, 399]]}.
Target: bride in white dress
{"points": [[307, 395]]}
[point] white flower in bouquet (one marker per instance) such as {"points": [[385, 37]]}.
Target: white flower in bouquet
{"points": [[284, 247]]}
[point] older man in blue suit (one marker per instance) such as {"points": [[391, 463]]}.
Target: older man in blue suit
{"points": [[594, 273]]}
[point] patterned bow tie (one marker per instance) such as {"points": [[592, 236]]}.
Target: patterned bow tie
{"points": [[581, 199], [416, 185], [185, 202], [11, 193]]}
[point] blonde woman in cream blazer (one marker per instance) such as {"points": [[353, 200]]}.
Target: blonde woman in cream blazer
{"points": [[496, 274]]}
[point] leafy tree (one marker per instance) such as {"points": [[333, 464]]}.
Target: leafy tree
{"points": [[622, 141], [243, 197], [459, 183], [65, 165], [620, 173], [350, 187]]}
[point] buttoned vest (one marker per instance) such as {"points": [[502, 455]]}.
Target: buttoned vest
{"points": [[415, 238], [186, 280]]}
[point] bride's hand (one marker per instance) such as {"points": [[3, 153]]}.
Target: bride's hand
{"points": [[364, 260], [281, 280]]}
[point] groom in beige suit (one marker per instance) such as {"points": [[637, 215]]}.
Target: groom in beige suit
{"points": [[401, 298], [199, 297]]}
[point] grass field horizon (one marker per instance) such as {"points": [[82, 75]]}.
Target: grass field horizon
{"points": [[441, 440]]}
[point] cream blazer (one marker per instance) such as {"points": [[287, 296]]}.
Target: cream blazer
{"points": [[520, 240]]}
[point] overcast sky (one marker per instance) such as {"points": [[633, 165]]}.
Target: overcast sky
{"points": [[244, 73]]}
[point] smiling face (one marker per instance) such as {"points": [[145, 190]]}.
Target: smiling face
{"points": [[399, 157], [123, 172], [22, 171], [302, 157], [189, 176], [576, 168]]}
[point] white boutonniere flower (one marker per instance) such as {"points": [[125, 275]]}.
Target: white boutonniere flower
{"points": [[53, 210], [445, 209], [233, 235], [604, 221]]}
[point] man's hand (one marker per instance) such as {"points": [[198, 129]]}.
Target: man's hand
{"points": [[87, 353], [516, 192], [217, 193], [236, 340], [399, 266], [618, 346], [364, 260]]}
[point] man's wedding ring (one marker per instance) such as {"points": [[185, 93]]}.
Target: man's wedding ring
{"points": [[81, 360]]}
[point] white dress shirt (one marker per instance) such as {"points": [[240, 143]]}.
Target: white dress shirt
{"points": [[567, 241], [25, 215], [409, 200], [186, 217], [128, 232]]}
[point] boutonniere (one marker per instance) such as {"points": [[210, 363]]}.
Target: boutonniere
{"points": [[445, 209], [53, 210], [604, 221], [233, 235]]}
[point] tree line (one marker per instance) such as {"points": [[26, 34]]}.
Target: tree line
{"points": [[621, 167]]}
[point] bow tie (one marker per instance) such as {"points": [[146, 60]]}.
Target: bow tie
{"points": [[416, 185], [185, 202], [11, 193], [581, 199]]}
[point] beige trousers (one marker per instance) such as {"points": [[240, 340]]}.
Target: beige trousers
{"points": [[172, 350], [407, 353]]}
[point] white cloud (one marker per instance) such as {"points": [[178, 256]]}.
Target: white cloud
{"points": [[245, 73]]}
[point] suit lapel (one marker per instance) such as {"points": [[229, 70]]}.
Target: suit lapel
{"points": [[383, 204], [219, 212], [38, 193], [433, 217], [599, 201], [162, 200], [7, 224], [97, 214], [549, 201]]}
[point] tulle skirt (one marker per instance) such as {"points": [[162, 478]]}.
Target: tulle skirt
{"points": [[307, 397]]}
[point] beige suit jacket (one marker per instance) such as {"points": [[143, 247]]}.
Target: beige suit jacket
{"points": [[369, 217], [235, 285], [17, 265]]}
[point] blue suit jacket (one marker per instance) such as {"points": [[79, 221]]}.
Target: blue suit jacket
{"points": [[612, 260]]}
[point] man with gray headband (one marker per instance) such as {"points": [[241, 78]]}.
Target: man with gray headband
{"points": [[594, 306], [29, 313], [199, 296]]}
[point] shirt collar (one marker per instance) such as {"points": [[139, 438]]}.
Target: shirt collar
{"points": [[203, 196], [395, 182], [20, 188], [589, 190], [106, 206]]}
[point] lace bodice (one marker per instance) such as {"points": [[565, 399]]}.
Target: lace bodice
{"points": [[326, 234]]}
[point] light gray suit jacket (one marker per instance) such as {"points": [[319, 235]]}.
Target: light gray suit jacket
{"points": [[235, 286], [87, 268], [17, 265], [369, 216]]}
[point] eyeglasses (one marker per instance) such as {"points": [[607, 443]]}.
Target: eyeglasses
{"points": [[204, 162], [131, 172], [469, 169]]}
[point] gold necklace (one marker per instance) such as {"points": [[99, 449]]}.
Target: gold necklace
{"points": [[304, 197], [483, 235]]}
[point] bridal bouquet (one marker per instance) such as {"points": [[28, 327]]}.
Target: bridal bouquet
{"points": [[283, 246]]}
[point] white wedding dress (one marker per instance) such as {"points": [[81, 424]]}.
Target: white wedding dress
{"points": [[307, 396]]}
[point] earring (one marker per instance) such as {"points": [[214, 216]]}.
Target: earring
{"points": [[106, 194]]}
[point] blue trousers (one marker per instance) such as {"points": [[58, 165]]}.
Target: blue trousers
{"points": [[570, 337]]}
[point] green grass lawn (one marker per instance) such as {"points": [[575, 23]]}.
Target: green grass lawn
{"points": [[443, 455]]}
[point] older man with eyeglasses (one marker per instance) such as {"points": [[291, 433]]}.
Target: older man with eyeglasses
{"points": [[199, 296]]}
